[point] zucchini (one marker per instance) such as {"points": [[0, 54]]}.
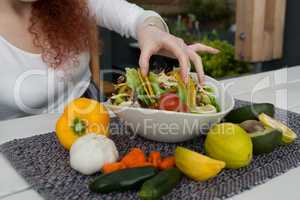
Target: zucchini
{"points": [[122, 180], [250, 112], [161, 184]]}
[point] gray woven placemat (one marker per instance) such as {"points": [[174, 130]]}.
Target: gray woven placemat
{"points": [[45, 165]]}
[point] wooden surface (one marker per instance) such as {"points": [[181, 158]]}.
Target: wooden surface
{"points": [[260, 29]]}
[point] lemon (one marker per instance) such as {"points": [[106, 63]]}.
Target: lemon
{"points": [[197, 166], [230, 143]]}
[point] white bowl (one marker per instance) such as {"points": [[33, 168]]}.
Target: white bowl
{"points": [[168, 126]]}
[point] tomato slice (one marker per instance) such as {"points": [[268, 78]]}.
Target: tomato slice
{"points": [[171, 102]]}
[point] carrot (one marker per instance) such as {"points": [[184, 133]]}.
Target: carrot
{"points": [[134, 158], [167, 163], [154, 158], [145, 164], [111, 167]]}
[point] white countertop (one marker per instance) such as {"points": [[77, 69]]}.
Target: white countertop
{"points": [[280, 87]]}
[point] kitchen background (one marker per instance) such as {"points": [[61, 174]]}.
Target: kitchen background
{"points": [[211, 22]]}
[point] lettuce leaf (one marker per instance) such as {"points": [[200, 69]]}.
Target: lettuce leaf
{"points": [[133, 81], [214, 102], [153, 78]]}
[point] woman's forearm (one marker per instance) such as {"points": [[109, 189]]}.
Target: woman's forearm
{"points": [[123, 17], [152, 20]]}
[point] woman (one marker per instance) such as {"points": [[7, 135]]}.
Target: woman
{"points": [[45, 49]]}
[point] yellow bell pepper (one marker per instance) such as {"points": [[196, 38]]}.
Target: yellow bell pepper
{"points": [[80, 117]]}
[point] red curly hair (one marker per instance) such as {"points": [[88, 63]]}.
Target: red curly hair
{"points": [[61, 29]]}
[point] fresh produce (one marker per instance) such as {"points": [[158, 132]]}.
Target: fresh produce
{"points": [[252, 126], [90, 152], [161, 184], [230, 143], [265, 141], [171, 102], [288, 135], [111, 167], [197, 166], [155, 158], [165, 91], [122, 180], [167, 163], [80, 117], [250, 112], [136, 158]]}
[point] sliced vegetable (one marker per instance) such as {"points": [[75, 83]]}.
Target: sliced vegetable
{"points": [[167, 163], [169, 101], [160, 185], [154, 158], [122, 180], [111, 167], [135, 158], [288, 135]]}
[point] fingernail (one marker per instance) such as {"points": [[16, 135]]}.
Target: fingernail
{"points": [[216, 51]]}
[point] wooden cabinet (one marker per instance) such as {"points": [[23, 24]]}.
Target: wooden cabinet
{"points": [[260, 29]]}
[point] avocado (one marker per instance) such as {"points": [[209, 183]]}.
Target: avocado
{"points": [[265, 141], [252, 126], [250, 112]]}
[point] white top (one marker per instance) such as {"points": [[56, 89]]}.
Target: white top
{"points": [[29, 86]]}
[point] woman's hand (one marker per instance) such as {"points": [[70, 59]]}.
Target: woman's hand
{"points": [[152, 41]]}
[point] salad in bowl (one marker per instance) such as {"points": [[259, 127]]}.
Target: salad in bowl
{"points": [[164, 91], [161, 107]]}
